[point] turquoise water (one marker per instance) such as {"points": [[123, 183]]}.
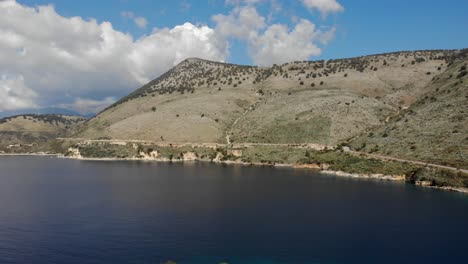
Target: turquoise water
{"points": [[70, 211]]}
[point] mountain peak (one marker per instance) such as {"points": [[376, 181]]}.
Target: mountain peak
{"points": [[195, 60]]}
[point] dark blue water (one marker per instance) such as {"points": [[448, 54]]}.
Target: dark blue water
{"points": [[68, 211]]}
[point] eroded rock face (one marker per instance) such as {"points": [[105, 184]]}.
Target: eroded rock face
{"points": [[189, 156], [322, 166], [74, 153], [153, 155], [235, 152], [218, 157], [368, 176], [423, 183]]}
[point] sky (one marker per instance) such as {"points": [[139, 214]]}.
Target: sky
{"points": [[84, 55]]}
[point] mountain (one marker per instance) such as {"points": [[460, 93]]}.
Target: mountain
{"points": [[25, 133], [43, 111], [323, 102]]}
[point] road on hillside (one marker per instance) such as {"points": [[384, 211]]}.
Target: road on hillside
{"points": [[381, 157], [296, 145], [207, 144]]}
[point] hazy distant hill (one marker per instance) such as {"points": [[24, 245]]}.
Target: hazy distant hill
{"points": [[33, 132], [43, 111]]}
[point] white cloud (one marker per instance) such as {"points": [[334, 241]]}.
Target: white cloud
{"points": [[55, 59], [278, 44], [141, 22], [324, 6], [274, 43], [14, 94], [241, 22]]}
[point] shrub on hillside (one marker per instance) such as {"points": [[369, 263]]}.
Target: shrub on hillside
{"points": [[461, 74]]}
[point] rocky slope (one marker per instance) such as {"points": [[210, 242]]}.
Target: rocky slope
{"points": [[434, 128], [24, 133]]}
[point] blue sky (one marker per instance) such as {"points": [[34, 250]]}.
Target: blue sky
{"points": [[364, 27], [84, 55]]}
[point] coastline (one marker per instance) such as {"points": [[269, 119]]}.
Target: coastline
{"points": [[316, 167], [30, 154]]}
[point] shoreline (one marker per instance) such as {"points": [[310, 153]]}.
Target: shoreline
{"points": [[315, 167], [31, 154]]}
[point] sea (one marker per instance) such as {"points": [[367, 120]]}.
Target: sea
{"points": [[55, 210]]}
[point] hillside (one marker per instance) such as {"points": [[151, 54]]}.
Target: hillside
{"points": [[324, 102], [23, 133], [396, 112], [433, 129]]}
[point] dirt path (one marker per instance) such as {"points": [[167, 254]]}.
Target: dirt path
{"points": [[381, 157], [262, 98], [229, 131]]}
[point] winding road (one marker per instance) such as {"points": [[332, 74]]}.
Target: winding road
{"points": [[248, 144], [421, 163]]}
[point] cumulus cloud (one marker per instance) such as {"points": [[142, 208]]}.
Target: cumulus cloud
{"points": [[278, 44], [51, 60], [270, 44], [324, 6], [242, 22], [14, 94], [141, 22]]}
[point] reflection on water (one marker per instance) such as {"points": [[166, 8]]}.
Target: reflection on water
{"points": [[69, 211]]}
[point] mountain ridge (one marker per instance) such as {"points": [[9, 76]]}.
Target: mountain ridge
{"points": [[372, 83]]}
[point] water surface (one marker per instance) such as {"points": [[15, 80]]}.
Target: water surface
{"points": [[70, 211]]}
